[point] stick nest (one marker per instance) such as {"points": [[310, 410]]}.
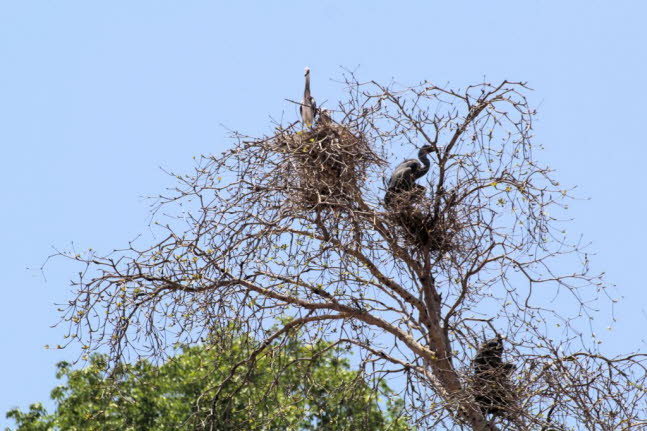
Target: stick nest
{"points": [[326, 165], [424, 223]]}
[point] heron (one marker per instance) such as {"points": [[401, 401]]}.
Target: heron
{"points": [[325, 117], [493, 391], [490, 354], [308, 106], [406, 173]]}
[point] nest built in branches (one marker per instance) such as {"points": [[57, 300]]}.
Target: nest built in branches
{"points": [[326, 166], [424, 223], [493, 389]]}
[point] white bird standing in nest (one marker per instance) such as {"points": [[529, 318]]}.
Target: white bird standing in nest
{"points": [[308, 106]]}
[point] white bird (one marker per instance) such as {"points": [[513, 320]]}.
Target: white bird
{"points": [[308, 106]]}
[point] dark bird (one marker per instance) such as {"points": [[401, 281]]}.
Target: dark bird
{"points": [[493, 391], [308, 106], [406, 173], [490, 354]]}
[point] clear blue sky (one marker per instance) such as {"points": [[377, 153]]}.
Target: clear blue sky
{"points": [[96, 96]]}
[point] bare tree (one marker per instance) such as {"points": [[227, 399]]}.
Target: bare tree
{"points": [[290, 233]]}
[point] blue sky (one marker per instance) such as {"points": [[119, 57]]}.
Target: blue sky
{"points": [[95, 97]]}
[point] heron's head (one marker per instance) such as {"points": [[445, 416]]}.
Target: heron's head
{"points": [[426, 149], [307, 71], [422, 152]]}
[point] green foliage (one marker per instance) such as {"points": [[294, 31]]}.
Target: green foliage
{"points": [[294, 387]]}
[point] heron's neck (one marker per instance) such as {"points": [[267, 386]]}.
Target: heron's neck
{"points": [[425, 162], [306, 93]]}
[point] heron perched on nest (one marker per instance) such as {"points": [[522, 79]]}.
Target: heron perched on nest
{"points": [[326, 164], [308, 106], [406, 173], [493, 391], [403, 197]]}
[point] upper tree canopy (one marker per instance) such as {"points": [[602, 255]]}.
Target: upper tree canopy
{"points": [[294, 225]]}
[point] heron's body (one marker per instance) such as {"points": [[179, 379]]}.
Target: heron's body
{"points": [[489, 355], [406, 173], [493, 392], [308, 106]]}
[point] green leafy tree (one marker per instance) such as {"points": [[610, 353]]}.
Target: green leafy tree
{"points": [[298, 387]]}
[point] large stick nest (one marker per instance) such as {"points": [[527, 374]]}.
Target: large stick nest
{"points": [[423, 222], [327, 165]]}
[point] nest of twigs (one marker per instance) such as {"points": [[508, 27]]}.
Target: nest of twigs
{"points": [[326, 165], [494, 391], [423, 224]]}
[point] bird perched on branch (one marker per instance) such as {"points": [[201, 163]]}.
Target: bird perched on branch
{"points": [[492, 389], [406, 173], [308, 106]]}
